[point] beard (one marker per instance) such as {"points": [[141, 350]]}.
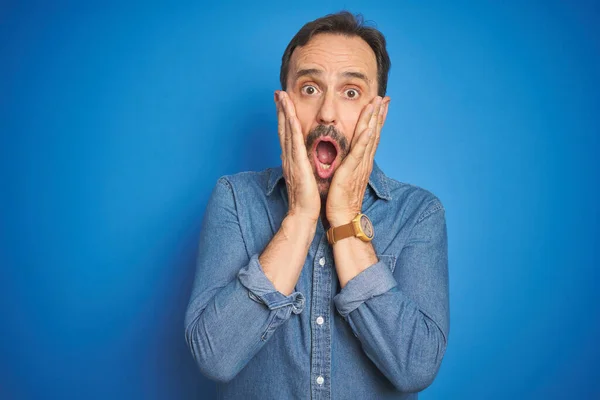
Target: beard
{"points": [[313, 136]]}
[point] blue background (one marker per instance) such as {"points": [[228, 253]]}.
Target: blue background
{"points": [[116, 122]]}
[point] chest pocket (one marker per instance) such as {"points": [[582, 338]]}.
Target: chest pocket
{"points": [[389, 259]]}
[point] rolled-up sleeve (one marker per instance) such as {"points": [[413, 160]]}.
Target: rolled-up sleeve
{"points": [[234, 308], [262, 290], [373, 281]]}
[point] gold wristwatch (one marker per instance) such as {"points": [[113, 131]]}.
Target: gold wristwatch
{"points": [[360, 227]]}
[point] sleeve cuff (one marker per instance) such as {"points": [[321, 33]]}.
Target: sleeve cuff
{"points": [[261, 289], [373, 281]]}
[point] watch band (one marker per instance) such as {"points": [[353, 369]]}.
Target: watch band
{"points": [[340, 232], [360, 227]]}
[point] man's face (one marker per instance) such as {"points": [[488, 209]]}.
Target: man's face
{"points": [[330, 81]]}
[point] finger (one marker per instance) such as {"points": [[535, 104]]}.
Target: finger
{"points": [[288, 129], [295, 133], [371, 127], [289, 105], [290, 133], [280, 122], [376, 131], [374, 117], [382, 117], [376, 103], [297, 138], [285, 132], [357, 152], [363, 121]]}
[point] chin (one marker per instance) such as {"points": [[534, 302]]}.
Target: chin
{"points": [[323, 189]]}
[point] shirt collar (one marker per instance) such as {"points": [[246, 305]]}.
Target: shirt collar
{"points": [[377, 181]]}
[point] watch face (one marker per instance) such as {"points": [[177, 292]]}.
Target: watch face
{"points": [[366, 226]]}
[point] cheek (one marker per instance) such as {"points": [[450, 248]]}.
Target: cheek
{"points": [[350, 117]]}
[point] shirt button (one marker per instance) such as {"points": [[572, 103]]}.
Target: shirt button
{"points": [[320, 320], [320, 380], [322, 261]]}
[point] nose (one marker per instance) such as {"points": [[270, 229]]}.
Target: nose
{"points": [[327, 111]]}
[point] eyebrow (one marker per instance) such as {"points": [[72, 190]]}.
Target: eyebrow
{"points": [[308, 71], [318, 72], [358, 75]]}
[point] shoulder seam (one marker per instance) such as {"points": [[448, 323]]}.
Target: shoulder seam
{"points": [[430, 210], [227, 183]]}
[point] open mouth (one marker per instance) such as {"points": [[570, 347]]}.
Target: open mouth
{"points": [[325, 155]]}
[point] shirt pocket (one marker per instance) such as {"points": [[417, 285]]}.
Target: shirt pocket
{"points": [[389, 260]]}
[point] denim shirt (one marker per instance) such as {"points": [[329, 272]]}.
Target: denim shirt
{"points": [[382, 336]]}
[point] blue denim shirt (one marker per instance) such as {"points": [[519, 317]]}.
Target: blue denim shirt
{"points": [[382, 336]]}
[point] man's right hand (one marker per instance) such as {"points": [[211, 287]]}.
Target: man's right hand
{"points": [[303, 193]]}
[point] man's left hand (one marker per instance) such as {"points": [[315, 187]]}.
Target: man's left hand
{"points": [[347, 189]]}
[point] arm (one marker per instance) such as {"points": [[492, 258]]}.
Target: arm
{"points": [[234, 308], [284, 257], [402, 322], [238, 299]]}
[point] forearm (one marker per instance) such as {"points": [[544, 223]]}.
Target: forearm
{"points": [[284, 257], [352, 256], [399, 307], [234, 308], [227, 328], [405, 343], [226, 333]]}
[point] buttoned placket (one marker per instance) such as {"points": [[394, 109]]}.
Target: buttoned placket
{"points": [[320, 321]]}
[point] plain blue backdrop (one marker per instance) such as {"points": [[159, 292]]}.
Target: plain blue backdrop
{"points": [[116, 122]]}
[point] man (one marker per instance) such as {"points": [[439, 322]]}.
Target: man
{"points": [[292, 299]]}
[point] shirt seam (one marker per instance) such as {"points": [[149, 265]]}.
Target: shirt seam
{"points": [[429, 211], [224, 181]]}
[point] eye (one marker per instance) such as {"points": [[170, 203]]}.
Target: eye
{"points": [[309, 90], [352, 94]]}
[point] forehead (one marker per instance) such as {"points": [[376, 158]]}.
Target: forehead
{"points": [[335, 53]]}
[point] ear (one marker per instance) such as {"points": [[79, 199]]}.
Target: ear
{"points": [[386, 102]]}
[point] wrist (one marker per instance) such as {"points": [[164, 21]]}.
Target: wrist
{"points": [[340, 219], [299, 226], [355, 256], [303, 217]]}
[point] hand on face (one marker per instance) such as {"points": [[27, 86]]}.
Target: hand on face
{"points": [[350, 180], [303, 194]]}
